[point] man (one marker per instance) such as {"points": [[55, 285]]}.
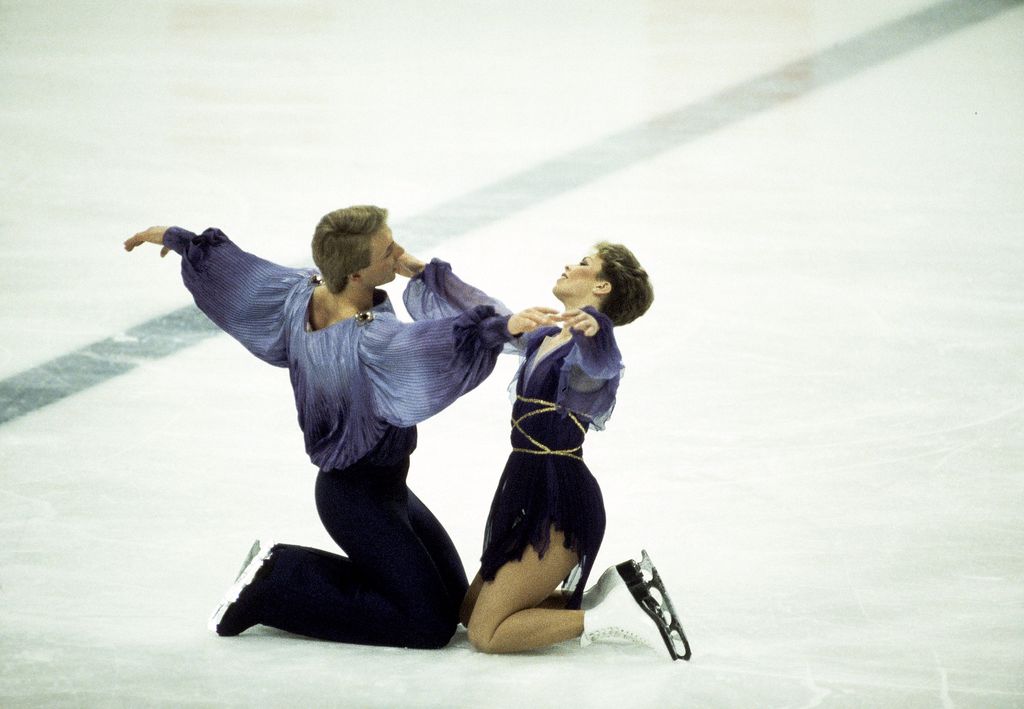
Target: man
{"points": [[362, 381]]}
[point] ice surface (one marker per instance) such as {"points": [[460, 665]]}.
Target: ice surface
{"points": [[819, 437]]}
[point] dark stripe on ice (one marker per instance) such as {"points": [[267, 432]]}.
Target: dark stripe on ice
{"points": [[94, 364]]}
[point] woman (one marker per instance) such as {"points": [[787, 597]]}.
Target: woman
{"points": [[362, 381], [547, 518]]}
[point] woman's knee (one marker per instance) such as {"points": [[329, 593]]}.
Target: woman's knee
{"points": [[481, 637]]}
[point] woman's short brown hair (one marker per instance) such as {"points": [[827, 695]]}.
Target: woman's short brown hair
{"points": [[341, 242], [632, 293]]}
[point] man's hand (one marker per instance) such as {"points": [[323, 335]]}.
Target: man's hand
{"points": [[408, 266], [153, 235], [530, 319]]}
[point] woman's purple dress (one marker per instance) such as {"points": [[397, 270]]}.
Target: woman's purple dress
{"points": [[546, 482], [558, 397]]}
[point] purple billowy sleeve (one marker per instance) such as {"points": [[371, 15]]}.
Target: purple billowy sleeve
{"points": [[418, 369], [242, 294], [436, 292], [590, 374]]}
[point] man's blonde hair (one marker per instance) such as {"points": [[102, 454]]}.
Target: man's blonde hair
{"points": [[341, 242]]}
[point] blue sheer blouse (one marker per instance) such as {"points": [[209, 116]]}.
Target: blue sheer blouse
{"points": [[362, 384]]}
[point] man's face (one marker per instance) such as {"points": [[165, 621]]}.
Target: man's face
{"points": [[384, 255]]}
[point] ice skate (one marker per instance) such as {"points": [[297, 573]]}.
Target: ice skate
{"points": [[618, 618], [647, 588], [235, 622]]}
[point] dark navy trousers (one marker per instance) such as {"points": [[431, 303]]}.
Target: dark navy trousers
{"points": [[400, 584]]}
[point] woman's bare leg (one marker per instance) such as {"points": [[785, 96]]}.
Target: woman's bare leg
{"points": [[557, 599], [507, 615], [469, 602]]}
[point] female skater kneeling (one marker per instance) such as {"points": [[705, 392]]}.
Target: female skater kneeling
{"points": [[547, 519]]}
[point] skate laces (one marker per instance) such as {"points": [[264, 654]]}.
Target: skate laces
{"points": [[623, 618], [616, 632]]}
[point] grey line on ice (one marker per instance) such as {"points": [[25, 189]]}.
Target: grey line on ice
{"points": [[98, 362]]}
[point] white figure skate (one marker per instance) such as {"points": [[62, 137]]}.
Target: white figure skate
{"points": [[610, 615]]}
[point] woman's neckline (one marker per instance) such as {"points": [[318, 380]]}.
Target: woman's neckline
{"points": [[540, 354]]}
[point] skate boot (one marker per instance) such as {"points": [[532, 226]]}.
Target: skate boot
{"points": [[235, 612], [631, 604], [596, 593]]}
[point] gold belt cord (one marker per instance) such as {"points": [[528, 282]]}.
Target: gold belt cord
{"points": [[547, 407]]}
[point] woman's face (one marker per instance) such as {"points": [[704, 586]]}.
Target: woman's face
{"points": [[579, 280]]}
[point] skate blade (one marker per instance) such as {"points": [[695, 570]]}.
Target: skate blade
{"points": [[648, 590], [258, 553], [668, 624], [253, 551]]}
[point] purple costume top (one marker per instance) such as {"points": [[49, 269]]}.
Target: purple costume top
{"points": [[360, 384], [557, 398]]}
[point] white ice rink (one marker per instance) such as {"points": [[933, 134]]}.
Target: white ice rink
{"points": [[820, 434]]}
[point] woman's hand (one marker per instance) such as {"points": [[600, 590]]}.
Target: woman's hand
{"points": [[530, 319], [153, 235], [408, 266], [580, 321]]}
